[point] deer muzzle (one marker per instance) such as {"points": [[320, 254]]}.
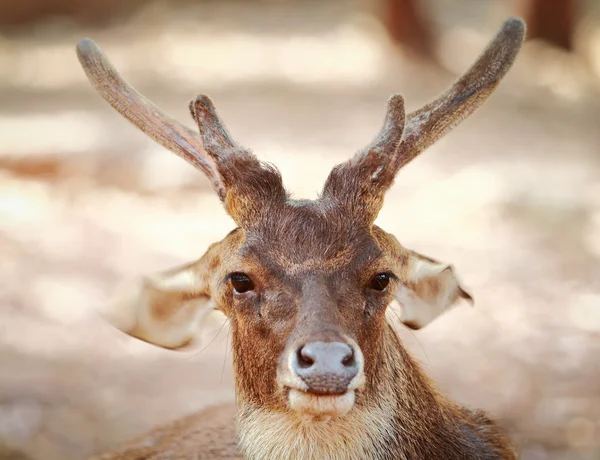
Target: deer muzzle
{"points": [[327, 368], [322, 377]]}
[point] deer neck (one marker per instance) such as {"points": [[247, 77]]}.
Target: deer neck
{"points": [[403, 419]]}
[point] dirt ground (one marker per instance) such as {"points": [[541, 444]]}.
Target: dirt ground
{"points": [[511, 198]]}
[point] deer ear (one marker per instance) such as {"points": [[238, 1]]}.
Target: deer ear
{"points": [[166, 309], [429, 289]]}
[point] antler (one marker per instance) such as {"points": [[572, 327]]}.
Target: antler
{"points": [[431, 122], [213, 152], [154, 122], [363, 180]]}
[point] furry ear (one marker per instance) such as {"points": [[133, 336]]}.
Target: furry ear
{"points": [[429, 289], [165, 310]]}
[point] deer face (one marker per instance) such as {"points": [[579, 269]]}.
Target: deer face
{"points": [[306, 300], [305, 284]]}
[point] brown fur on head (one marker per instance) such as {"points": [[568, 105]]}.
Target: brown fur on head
{"points": [[305, 284]]}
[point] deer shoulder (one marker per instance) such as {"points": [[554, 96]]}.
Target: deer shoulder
{"points": [[319, 371], [214, 427]]}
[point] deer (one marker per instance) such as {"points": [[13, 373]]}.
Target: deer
{"points": [[306, 286]]}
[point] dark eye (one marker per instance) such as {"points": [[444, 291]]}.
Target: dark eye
{"points": [[380, 281], [241, 283]]}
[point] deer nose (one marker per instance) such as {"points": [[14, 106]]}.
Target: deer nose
{"points": [[327, 368]]}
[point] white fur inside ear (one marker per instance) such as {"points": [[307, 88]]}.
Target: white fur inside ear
{"points": [[178, 329], [121, 312], [182, 281], [431, 289], [163, 310], [422, 269]]}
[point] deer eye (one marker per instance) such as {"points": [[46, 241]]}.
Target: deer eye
{"points": [[241, 283], [380, 281]]}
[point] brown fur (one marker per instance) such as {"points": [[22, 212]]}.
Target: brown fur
{"points": [[312, 266], [179, 439]]}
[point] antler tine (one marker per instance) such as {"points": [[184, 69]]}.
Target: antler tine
{"points": [[165, 130], [388, 139], [431, 122]]}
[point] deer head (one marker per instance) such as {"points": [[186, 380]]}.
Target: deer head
{"points": [[305, 284]]}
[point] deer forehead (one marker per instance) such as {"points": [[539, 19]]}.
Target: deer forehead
{"points": [[290, 261], [308, 240]]}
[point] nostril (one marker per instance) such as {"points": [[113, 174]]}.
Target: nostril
{"points": [[305, 359], [348, 360]]}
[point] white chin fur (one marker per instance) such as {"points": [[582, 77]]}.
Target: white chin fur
{"points": [[310, 404]]}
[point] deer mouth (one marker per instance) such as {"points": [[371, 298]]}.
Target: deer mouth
{"points": [[333, 401], [305, 401], [321, 405]]}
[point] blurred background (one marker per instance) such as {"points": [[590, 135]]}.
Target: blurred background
{"points": [[87, 202]]}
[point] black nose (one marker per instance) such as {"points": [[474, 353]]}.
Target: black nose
{"points": [[325, 367]]}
